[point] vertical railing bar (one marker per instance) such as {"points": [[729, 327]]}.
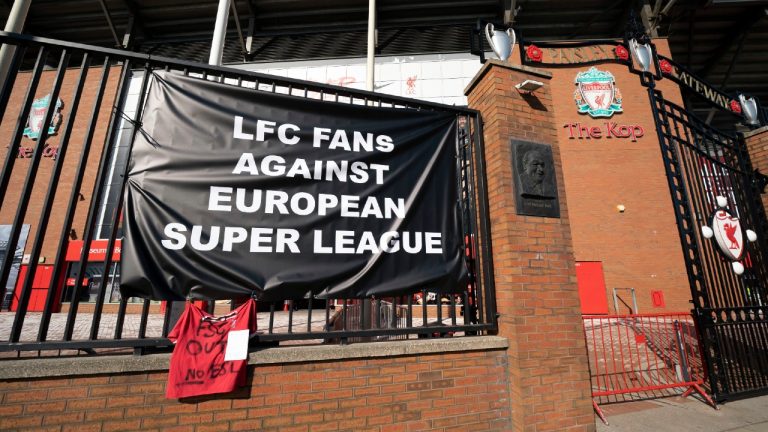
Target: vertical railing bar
{"points": [[362, 318], [344, 315], [439, 305], [761, 345], [96, 198], [718, 279], [26, 194], [409, 317], [478, 179], [614, 357], [762, 360], [309, 314], [167, 318], [467, 209], [658, 368], [120, 320], [669, 322], [760, 338], [708, 266], [327, 312], [466, 308], [453, 309], [621, 352], [10, 80], [736, 377], [424, 319], [58, 165], [13, 148], [393, 321], [661, 115], [118, 209], [290, 316], [739, 376], [718, 274], [271, 317], [596, 366], [144, 317], [377, 313], [749, 354], [10, 159], [48, 203], [604, 350], [60, 262]]}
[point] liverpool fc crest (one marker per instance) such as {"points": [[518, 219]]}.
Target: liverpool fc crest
{"points": [[728, 234], [36, 114], [596, 93]]}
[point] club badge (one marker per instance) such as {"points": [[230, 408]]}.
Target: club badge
{"points": [[36, 117], [728, 234], [596, 93]]}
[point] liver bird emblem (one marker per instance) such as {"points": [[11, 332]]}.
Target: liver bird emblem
{"points": [[730, 232], [726, 230]]}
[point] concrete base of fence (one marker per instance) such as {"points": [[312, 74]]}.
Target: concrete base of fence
{"points": [[440, 385]]}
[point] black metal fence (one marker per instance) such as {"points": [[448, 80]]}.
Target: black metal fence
{"points": [[731, 309], [50, 199]]}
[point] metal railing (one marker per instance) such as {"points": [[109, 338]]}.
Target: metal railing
{"points": [[68, 195], [642, 355]]}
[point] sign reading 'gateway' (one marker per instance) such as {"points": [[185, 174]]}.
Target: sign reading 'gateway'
{"points": [[233, 192]]}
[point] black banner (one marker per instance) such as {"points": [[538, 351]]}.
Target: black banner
{"points": [[234, 192]]}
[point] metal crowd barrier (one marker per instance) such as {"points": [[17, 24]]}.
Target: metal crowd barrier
{"points": [[83, 313], [643, 353]]}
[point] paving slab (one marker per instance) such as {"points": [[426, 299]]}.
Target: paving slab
{"points": [[676, 414]]}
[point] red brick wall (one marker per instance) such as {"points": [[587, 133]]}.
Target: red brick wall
{"points": [[536, 293], [7, 125], [440, 392], [639, 248], [757, 145]]}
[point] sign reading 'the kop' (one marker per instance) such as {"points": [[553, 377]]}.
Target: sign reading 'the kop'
{"points": [[233, 192]]}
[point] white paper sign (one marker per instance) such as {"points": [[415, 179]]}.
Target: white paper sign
{"points": [[237, 345]]}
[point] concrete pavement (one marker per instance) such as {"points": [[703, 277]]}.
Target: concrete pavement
{"points": [[675, 414]]}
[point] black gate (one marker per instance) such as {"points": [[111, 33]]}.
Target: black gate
{"points": [[731, 309]]}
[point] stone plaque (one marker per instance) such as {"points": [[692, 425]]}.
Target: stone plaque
{"points": [[535, 184]]}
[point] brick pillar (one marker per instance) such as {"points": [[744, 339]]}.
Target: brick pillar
{"points": [[535, 274], [757, 146]]}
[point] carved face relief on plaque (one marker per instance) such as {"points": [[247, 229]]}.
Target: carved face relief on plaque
{"points": [[534, 174]]}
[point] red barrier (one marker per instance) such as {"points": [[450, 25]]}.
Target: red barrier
{"points": [[642, 353]]}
